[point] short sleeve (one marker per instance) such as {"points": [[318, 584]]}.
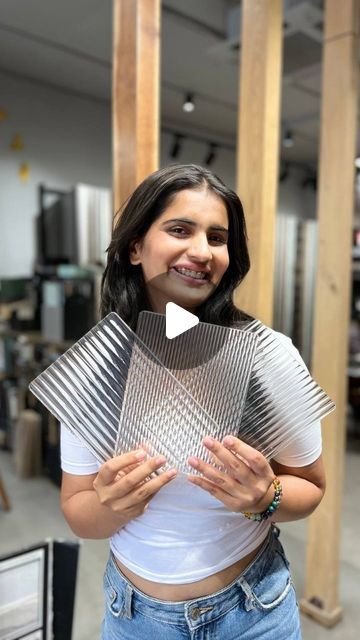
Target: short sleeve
{"points": [[306, 446], [75, 457]]}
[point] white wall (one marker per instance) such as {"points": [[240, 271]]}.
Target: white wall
{"points": [[68, 141]]}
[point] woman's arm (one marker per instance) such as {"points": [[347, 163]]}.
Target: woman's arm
{"points": [[97, 505], [82, 510], [247, 483], [303, 490]]}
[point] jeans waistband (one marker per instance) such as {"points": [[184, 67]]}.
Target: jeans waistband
{"points": [[224, 598]]}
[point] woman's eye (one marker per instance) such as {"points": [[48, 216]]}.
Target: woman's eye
{"points": [[217, 239], [179, 230], [213, 238]]}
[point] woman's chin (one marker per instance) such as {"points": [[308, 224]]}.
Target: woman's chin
{"points": [[189, 300]]}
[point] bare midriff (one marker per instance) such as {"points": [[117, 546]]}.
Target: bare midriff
{"points": [[179, 592]]}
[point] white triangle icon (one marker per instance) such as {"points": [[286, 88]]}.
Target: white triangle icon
{"points": [[178, 320]]}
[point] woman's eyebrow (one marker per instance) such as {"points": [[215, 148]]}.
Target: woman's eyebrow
{"points": [[213, 227]]}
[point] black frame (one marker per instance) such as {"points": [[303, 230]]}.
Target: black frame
{"points": [[45, 546]]}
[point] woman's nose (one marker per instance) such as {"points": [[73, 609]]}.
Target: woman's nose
{"points": [[199, 248]]}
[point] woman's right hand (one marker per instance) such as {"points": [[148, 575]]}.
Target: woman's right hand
{"points": [[124, 483]]}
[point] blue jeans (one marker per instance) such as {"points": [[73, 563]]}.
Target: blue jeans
{"points": [[259, 603]]}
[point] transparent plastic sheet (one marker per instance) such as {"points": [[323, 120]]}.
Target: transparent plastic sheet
{"points": [[209, 361], [84, 388], [282, 398], [109, 377], [116, 393], [214, 364]]}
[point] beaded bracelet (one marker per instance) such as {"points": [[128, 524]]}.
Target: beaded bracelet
{"points": [[264, 515]]}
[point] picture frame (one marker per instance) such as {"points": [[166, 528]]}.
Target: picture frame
{"points": [[24, 594]]}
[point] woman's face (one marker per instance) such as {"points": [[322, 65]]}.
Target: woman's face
{"points": [[184, 253]]}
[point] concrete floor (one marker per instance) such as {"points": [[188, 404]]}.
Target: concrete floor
{"points": [[35, 515]]}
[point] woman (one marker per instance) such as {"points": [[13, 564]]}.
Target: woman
{"points": [[194, 556]]}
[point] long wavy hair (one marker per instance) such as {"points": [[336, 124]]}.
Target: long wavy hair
{"points": [[123, 287]]}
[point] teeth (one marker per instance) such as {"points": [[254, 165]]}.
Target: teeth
{"points": [[200, 275]]}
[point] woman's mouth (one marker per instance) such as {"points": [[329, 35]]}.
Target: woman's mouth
{"points": [[188, 275]]}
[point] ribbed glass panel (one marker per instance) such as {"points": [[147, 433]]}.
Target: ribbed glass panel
{"points": [[109, 387], [283, 399], [118, 390], [210, 361]]}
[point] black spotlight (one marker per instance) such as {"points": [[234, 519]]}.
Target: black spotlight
{"points": [[288, 140], [176, 146], [211, 154]]}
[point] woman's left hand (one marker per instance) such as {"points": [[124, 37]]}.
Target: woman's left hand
{"points": [[247, 483]]}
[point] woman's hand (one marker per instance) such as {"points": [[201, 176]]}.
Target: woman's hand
{"points": [[123, 484], [247, 483]]}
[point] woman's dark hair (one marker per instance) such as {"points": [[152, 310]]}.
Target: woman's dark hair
{"points": [[123, 287]]}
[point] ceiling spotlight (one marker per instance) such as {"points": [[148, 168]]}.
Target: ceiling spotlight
{"points": [[211, 154], [284, 172], [288, 140], [176, 146], [310, 181], [189, 104]]}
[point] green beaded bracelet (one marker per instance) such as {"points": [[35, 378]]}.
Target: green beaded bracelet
{"points": [[274, 504]]}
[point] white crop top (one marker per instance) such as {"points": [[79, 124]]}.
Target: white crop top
{"points": [[186, 534]]}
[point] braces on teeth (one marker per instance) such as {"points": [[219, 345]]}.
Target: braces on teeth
{"points": [[194, 274]]}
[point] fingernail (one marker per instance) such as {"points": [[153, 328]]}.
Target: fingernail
{"points": [[208, 442], [194, 462], [171, 473], [160, 460], [228, 441], [140, 455]]}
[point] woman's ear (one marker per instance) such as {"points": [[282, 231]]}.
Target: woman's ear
{"points": [[135, 252]]}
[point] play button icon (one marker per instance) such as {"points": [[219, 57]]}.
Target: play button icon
{"points": [[178, 320]]}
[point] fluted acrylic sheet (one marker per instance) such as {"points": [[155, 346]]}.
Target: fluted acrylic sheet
{"points": [[91, 387], [212, 360], [214, 364], [84, 387], [282, 398]]}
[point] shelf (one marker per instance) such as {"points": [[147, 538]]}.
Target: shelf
{"points": [[36, 338]]}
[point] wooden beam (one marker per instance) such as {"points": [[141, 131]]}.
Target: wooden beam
{"points": [[332, 294], [258, 148], [4, 496], [136, 79]]}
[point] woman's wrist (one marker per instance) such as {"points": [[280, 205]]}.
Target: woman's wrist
{"points": [[265, 500], [268, 504]]}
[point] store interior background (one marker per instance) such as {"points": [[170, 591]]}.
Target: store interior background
{"points": [[55, 131]]}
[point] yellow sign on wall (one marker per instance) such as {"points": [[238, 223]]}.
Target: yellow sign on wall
{"points": [[24, 172], [17, 143]]}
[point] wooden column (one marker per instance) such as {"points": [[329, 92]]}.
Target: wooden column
{"points": [[136, 74], [332, 293], [258, 148]]}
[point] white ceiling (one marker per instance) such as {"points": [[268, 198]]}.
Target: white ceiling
{"points": [[67, 44]]}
